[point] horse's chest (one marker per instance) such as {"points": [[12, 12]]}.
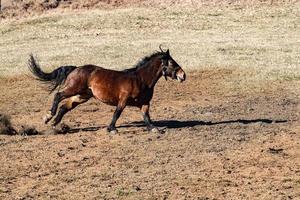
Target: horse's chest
{"points": [[142, 97]]}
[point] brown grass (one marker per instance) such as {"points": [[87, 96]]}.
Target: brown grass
{"points": [[41, 5], [262, 39]]}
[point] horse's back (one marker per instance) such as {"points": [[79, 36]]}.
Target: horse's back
{"points": [[92, 73]]}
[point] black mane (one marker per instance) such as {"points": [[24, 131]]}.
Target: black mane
{"points": [[143, 62]]}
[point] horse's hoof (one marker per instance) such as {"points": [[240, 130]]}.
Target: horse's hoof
{"points": [[112, 131], [54, 125], [47, 118], [154, 130]]}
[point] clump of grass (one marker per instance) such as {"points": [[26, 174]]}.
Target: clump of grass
{"points": [[122, 192], [5, 126]]}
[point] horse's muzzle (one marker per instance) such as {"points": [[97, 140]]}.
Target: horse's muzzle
{"points": [[180, 75]]}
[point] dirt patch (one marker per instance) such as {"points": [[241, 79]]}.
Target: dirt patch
{"points": [[219, 141]]}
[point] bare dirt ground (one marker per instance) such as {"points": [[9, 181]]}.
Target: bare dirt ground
{"points": [[218, 141]]}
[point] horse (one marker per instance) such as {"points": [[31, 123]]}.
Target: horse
{"points": [[130, 87]]}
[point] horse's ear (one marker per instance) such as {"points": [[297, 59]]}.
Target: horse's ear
{"points": [[168, 52], [161, 48]]}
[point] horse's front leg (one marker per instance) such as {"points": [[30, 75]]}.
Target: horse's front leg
{"points": [[145, 111], [112, 127]]}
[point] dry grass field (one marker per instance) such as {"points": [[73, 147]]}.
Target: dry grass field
{"points": [[230, 131]]}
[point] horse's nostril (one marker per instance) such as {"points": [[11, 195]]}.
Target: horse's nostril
{"points": [[180, 76]]}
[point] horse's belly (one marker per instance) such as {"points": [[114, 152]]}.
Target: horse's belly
{"points": [[134, 102], [105, 97], [139, 101]]}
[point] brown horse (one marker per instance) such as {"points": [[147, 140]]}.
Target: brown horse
{"points": [[132, 87]]}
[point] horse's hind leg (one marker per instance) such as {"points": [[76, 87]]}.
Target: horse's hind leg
{"points": [[51, 113], [71, 103], [73, 86]]}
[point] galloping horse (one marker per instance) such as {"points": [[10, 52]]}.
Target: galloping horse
{"points": [[132, 87]]}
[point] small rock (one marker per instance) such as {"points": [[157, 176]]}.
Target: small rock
{"points": [[61, 154], [137, 188], [275, 151], [83, 140]]}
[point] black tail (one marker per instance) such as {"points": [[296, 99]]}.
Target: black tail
{"points": [[54, 78]]}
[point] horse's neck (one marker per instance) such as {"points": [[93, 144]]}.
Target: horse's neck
{"points": [[150, 74]]}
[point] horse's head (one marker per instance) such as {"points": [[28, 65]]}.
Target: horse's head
{"points": [[170, 68]]}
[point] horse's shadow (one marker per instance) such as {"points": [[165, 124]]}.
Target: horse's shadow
{"points": [[174, 124]]}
